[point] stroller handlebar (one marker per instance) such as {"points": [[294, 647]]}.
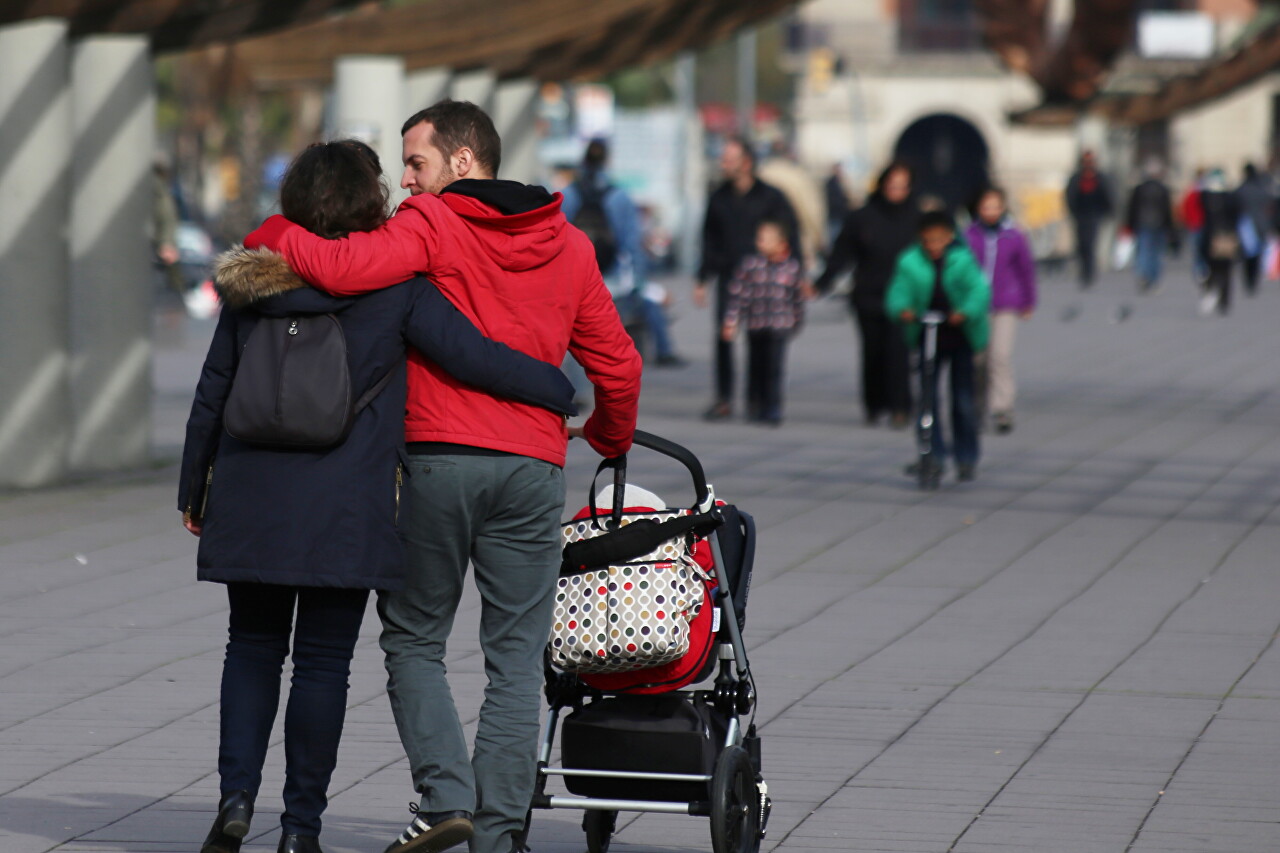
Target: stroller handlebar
{"points": [[683, 455]]}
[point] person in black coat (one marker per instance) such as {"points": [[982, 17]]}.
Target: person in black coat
{"points": [[872, 238], [1219, 240], [1089, 201], [315, 529], [734, 212]]}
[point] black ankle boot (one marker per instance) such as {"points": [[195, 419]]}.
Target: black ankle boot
{"points": [[299, 844], [235, 810]]}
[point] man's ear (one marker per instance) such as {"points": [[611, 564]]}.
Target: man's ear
{"points": [[464, 162]]}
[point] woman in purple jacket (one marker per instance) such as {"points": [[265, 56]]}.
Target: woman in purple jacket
{"points": [[1005, 256]]}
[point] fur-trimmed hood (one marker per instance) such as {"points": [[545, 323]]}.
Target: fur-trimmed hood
{"points": [[244, 276]]}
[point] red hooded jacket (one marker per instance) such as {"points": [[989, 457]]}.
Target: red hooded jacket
{"points": [[522, 274]]}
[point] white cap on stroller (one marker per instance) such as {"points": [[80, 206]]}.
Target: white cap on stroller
{"points": [[633, 495]]}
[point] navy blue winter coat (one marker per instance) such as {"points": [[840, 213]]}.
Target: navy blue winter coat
{"points": [[329, 517]]}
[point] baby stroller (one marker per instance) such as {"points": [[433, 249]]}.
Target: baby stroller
{"points": [[633, 740]]}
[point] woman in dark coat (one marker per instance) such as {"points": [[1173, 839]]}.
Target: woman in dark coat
{"points": [[1219, 241], [315, 529], [872, 238]]}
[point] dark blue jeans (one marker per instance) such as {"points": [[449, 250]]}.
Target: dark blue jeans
{"points": [[766, 354], [261, 622], [957, 357]]}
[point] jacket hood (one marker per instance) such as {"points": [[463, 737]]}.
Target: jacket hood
{"points": [[978, 227], [520, 226], [262, 279]]}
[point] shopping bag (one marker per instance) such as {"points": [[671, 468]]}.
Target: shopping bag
{"points": [[1271, 261], [1122, 251]]}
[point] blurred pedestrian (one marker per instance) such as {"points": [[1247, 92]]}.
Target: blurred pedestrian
{"points": [[310, 529], [734, 212], [1219, 240], [1089, 202], [611, 220], [1004, 253], [1257, 201], [1150, 219], [164, 223], [939, 273], [872, 238], [767, 296], [838, 207], [1192, 212]]}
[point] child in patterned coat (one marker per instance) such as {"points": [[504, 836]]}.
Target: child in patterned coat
{"points": [[767, 296]]}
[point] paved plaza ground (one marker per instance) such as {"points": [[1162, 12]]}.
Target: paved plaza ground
{"points": [[1075, 653]]}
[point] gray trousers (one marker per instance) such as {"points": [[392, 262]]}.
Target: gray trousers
{"points": [[501, 514]]}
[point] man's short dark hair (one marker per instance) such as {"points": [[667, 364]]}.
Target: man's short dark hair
{"points": [[935, 219], [461, 124], [748, 149], [597, 154]]}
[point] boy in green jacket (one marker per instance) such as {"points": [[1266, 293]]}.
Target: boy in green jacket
{"points": [[939, 273]]}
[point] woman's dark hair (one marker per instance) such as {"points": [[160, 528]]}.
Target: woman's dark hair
{"points": [[334, 188], [935, 219], [989, 189], [894, 166]]}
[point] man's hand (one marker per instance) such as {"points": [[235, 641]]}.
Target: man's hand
{"points": [[1026, 313], [729, 330], [577, 432], [700, 294], [194, 526], [907, 316], [268, 234], [168, 253], [956, 319]]}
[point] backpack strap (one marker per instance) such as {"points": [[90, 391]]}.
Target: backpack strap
{"points": [[367, 397]]}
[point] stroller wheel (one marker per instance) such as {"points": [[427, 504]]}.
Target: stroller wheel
{"points": [[599, 826], [735, 814]]}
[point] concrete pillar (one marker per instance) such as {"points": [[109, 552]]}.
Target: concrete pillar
{"points": [[35, 158], [476, 87], [693, 189], [423, 88], [112, 280], [515, 109], [368, 104]]}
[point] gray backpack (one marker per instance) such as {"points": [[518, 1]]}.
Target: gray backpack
{"points": [[292, 387]]}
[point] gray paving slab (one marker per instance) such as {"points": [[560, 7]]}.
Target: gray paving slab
{"points": [[1074, 653]]}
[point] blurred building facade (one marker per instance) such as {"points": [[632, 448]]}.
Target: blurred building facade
{"points": [[912, 79]]}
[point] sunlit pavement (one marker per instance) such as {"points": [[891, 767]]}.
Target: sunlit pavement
{"points": [[1073, 653]]}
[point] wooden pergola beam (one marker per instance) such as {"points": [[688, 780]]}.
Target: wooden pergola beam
{"points": [[1075, 69], [1251, 62], [543, 39], [174, 24]]}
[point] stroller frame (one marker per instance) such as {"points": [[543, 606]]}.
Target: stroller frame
{"points": [[738, 803], [928, 469]]}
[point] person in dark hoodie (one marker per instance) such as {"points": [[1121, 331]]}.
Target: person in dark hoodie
{"points": [[487, 479], [872, 239], [315, 530]]}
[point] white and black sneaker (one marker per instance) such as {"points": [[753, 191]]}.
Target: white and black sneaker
{"points": [[431, 832]]}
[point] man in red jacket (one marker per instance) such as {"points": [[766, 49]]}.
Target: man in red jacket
{"points": [[485, 475]]}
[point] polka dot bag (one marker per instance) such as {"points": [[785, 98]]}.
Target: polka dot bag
{"points": [[627, 616]]}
